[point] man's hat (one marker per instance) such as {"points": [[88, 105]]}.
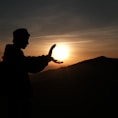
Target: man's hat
{"points": [[21, 32]]}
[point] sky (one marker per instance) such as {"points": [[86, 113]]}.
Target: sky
{"points": [[88, 28]]}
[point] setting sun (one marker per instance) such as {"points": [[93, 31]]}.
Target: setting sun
{"points": [[60, 52]]}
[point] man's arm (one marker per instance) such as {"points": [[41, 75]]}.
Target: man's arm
{"points": [[37, 64]]}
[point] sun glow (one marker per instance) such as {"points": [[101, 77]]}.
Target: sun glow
{"points": [[60, 52]]}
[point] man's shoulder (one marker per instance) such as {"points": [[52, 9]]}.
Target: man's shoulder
{"points": [[9, 46]]}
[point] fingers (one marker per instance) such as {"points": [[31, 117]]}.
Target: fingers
{"points": [[50, 51], [56, 61]]}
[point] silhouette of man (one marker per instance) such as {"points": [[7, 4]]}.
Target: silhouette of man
{"points": [[17, 66]]}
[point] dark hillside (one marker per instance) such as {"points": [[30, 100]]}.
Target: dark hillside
{"points": [[88, 87]]}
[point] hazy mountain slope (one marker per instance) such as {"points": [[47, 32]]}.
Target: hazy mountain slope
{"points": [[87, 87]]}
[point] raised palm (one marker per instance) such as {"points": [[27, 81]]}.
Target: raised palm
{"points": [[50, 53]]}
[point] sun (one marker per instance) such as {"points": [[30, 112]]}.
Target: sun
{"points": [[60, 52]]}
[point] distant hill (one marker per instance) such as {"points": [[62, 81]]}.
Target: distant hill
{"points": [[87, 87]]}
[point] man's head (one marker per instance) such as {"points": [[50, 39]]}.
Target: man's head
{"points": [[20, 37]]}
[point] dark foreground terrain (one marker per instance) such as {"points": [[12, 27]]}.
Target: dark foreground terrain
{"points": [[86, 88]]}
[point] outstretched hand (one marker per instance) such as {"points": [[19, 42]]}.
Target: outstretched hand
{"points": [[51, 49], [50, 53]]}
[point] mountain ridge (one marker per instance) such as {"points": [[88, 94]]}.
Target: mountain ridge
{"points": [[90, 61], [87, 87]]}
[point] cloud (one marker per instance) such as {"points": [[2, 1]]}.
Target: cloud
{"points": [[57, 17]]}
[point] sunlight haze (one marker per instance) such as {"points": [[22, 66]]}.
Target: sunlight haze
{"points": [[61, 52]]}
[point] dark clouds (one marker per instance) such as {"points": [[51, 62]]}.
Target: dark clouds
{"points": [[57, 16]]}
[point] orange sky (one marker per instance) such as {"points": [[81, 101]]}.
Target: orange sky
{"points": [[81, 46]]}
